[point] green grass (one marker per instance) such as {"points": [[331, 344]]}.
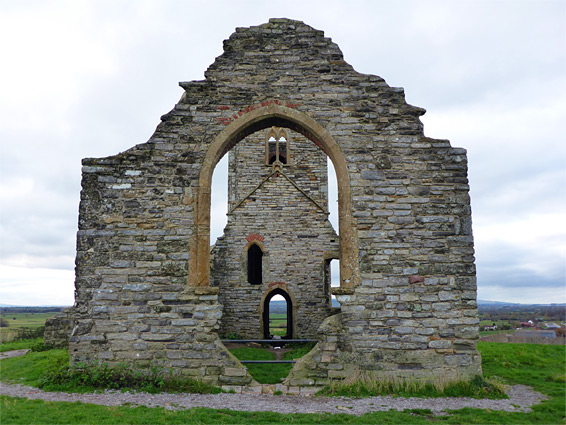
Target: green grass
{"points": [[21, 411], [298, 350], [50, 371], [88, 378], [249, 353], [20, 344], [262, 373], [499, 323], [30, 369], [270, 373], [541, 366], [368, 386]]}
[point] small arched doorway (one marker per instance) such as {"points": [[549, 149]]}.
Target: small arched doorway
{"points": [[265, 315]]}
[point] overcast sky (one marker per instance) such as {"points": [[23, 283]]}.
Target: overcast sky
{"points": [[91, 79]]}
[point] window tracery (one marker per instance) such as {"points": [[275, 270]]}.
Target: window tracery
{"points": [[277, 146]]}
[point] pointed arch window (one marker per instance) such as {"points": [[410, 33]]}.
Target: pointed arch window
{"points": [[277, 146], [255, 265]]}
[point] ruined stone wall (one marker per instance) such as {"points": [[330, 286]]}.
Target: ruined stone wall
{"points": [[286, 212], [409, 309], [58, 329], [132, 299]]}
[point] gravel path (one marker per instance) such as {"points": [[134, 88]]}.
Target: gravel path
{"points": [[521, 398], [13, 353]]}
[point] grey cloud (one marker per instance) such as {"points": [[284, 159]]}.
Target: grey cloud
{"points": [[489, 74]]}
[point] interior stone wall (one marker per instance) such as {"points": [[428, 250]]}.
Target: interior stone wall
{"points": [[408, 281], [285, 209]]}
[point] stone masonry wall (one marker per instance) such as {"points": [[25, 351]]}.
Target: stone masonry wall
{"points": [[414, 311], [175, 334], [306, 167], [58, 328], [289, 217]]}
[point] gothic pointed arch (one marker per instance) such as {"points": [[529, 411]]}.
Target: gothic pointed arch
{"points": [[255, 120]]}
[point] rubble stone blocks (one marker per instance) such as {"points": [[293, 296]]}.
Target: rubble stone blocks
{"points": [[58, 328], [407, 274]]}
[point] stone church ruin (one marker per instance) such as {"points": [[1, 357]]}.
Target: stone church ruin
{"points": [[279, 101]]}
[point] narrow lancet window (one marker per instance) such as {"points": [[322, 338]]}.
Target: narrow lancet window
{"points": [[255, 260], [271, 150], [277, 146], [282, 144]]}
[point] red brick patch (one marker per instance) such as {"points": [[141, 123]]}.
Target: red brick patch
{"points": [[416, 279], [255, 237]]}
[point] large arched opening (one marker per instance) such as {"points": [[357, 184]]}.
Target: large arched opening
{"points": [[266, 314], [255, 120]]}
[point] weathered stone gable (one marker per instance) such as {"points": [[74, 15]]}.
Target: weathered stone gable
{"points": [[408, 288]]}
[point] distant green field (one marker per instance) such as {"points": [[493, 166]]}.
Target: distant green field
{"points": [[21, 320], [278, 324]]}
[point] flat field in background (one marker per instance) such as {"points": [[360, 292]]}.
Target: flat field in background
{"points": [[21, 320], [278, 323]]}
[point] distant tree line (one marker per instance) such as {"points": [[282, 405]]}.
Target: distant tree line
{"points": [[20, 310], [523, 313]]}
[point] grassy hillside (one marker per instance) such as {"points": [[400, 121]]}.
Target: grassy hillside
{"points": [[541, 366]]}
